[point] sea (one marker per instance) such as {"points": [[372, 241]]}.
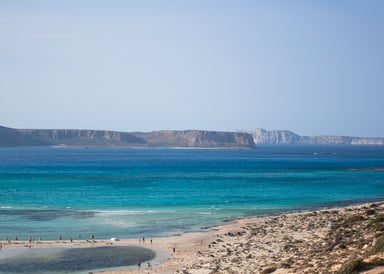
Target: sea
{"points": [[51, 193]]}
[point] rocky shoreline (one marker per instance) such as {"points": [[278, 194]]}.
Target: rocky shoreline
{"points": [[343, 240]]}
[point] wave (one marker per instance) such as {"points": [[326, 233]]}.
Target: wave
{"points": [[107, 213], [118, 223]]}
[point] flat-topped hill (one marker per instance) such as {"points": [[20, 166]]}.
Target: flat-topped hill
{"points": [[104, 138]]}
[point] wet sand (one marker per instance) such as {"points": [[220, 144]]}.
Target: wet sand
{"points": [[321, 241]]}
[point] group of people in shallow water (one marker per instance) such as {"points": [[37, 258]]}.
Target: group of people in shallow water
{"points": [[142, 240], [149, 266]]}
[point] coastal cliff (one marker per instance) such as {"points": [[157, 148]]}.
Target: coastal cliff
{"points": [[104, 138], [286, 137], [170, 138]]}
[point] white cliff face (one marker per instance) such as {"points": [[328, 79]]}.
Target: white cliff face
{"points": [[262, 136], [367, 141]]}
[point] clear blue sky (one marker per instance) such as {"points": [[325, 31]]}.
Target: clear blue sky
{"points": [[314, 67]]}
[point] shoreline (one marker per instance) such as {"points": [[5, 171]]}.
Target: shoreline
{"points": [[320, 240]]}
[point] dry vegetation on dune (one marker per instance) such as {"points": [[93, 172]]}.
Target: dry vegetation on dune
{"points": [[346, 240]]}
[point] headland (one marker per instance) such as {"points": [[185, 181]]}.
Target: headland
{"points": [[10, 137]]}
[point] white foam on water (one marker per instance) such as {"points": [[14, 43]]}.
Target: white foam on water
{"points": [[204, 213], [120, 223], [106, 213]]}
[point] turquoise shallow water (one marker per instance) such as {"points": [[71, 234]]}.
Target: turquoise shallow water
{"points": [[77, 192]]}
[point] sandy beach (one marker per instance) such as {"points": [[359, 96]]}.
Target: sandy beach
{"points": [[335, 240]]}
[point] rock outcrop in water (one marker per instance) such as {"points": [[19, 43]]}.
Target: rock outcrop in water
{"points": [[286, 137], [101, 138]]}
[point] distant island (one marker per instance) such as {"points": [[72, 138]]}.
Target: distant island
{"points": [[103, 138], [286, 137], [10, 137]]}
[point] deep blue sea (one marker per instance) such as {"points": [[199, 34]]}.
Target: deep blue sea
{"points": [[126, 193]]}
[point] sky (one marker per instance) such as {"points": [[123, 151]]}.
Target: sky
{"points": [[313, 67]]}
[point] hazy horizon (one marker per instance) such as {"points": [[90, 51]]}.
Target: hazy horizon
{"points": [[312, 67]]}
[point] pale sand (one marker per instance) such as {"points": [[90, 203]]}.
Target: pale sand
{"points": [[318, 241]]}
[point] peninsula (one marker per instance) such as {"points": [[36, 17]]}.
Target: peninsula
{"points": [[287, 137], [103, 138]]}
